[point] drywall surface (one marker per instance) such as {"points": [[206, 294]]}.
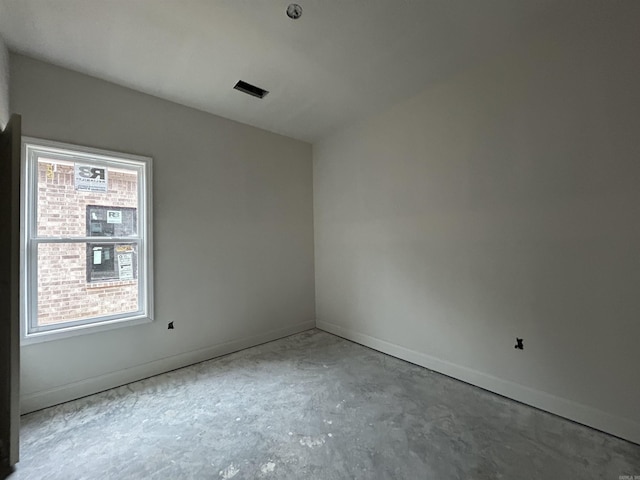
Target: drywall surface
{"points": [[4, 84], [233, 231], [502, 203]]}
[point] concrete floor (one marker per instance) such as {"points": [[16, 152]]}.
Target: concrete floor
{"points": [[311, 406]]}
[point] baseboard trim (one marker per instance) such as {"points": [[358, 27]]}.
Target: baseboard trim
{"points": [[71, 391], [589, 416]]}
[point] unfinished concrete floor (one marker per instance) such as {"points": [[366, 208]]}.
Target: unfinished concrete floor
{"points": [[311, 406]]}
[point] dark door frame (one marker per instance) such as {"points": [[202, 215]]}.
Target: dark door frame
{"points": [[10, 151]]}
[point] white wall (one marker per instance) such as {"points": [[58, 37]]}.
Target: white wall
{"points": [[4, 84], [233, 213], [503, 202]]}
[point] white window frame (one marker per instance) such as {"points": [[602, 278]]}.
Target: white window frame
{"points": [[32, 148]]}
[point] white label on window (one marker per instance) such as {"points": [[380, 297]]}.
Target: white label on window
{"points": [[125, 266], [114, 216], [90, 178], [97, 256]]}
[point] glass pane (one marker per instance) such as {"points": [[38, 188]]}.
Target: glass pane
{"points": [[75, 286], [72, 203]]}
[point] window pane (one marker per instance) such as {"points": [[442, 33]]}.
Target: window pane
{"points": [[65, 293], [67, 201]]}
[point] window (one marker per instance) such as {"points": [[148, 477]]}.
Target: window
{"points": [[87, 240]]}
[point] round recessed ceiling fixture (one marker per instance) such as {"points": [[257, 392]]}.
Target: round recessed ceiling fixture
{"points": [[294, 11]]}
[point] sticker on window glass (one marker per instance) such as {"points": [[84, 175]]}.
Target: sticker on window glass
{"points": [[90, 178]]}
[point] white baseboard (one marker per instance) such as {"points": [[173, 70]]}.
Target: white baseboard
{"points": [[64, 393], [598, 419]]}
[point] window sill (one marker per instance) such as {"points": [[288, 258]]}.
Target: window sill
{"points": [[76, 330]]}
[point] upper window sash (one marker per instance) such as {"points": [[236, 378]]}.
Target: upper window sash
{"points": [[36, 151]]}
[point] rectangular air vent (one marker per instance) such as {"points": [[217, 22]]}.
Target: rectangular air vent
{"points": [[250, 89]]}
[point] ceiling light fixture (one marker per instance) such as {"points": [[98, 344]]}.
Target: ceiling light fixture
{"points": [[294, 11]]}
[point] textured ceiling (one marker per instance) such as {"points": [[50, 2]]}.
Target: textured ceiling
{"points": [[343, 60]]}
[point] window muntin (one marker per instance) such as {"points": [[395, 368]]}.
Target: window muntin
{"points": [[87, 242]]}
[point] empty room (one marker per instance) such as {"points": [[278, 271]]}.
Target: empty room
{"points": [[328, 239]]}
